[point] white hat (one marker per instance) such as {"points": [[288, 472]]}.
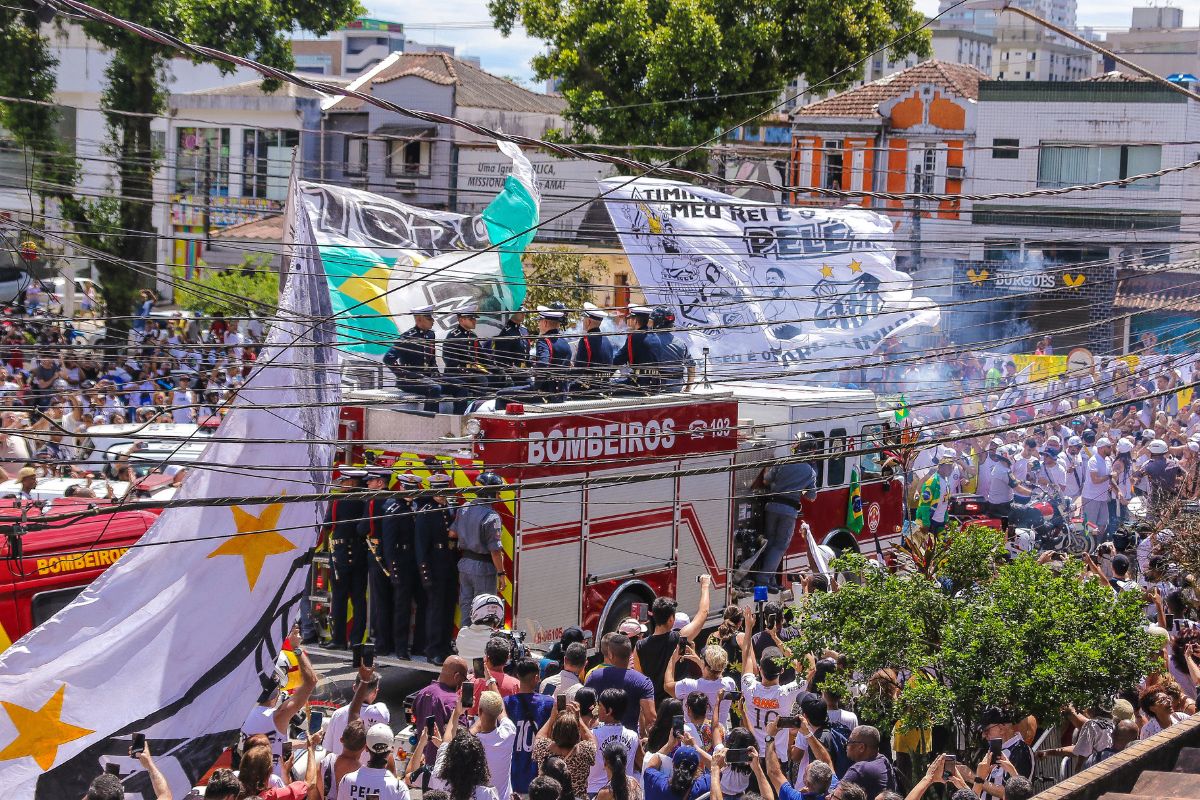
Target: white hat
{"points": [[1158, 447], [380, 738], [996, 442], [545, 312], [1124, 445], [681, 621], [486, 605], [631, 627], [1074, 441], [423, 311], [946, 455], [1103, 441], [593, 311], [640, 311], [375, 714]]}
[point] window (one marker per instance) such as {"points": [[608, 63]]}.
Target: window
{"points": [[354, 157], [267, 155], [870, 465], [831, 172], [408, 157], [46, 604], [1006, 148], [621, 289], [837, 460], [924, 171], [202, 160], [1073, 165]]}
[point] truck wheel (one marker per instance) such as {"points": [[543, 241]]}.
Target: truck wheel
{"points": [[619, 606], [842, 541]]}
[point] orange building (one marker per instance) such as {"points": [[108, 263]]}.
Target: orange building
{"points": [[908, 132]]}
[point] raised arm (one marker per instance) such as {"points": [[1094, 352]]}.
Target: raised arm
{"points": [[299, 698], [692, 629]]}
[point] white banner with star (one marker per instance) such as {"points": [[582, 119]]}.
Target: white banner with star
{"points": [[177, 640], [785, 290]]}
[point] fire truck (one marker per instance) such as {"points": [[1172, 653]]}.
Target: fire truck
{"points": [[615, 501]]}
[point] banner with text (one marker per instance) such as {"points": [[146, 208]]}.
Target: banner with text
{"points": [[807, 289]]}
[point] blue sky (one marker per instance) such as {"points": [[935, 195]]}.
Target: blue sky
{"points": [[511, 56]]}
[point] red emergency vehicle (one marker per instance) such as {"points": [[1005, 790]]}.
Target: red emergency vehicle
{"points": [[655, 491], [43, 569]]}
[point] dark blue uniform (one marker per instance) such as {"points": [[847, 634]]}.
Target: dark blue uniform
{"points": [[370, 528], [510, 355], [463, 353], [408, 596], [349, 570], [438, 569], [413, 360], [641, 353], [592, 364], [673, 362], [551, 372]]}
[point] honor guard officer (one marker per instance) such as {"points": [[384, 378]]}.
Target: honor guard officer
{"points": [[372, 530], [349, 577], [408, 593], [640, 353], [413, 359], [593, 356], [481, 552], [551, 363], [466, 377], [510, 352], [435, 559], [676, 369]]}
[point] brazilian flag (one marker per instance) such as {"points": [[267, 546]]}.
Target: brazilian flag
{"points": [[901, 411], [854, 511]]}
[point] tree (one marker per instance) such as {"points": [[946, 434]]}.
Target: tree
{"points": [[624, 67], [557, 274], [122, 226], [251, 287], [979, 632]]}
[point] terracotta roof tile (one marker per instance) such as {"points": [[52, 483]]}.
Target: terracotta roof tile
{"points": [[264, 229], [863, 102]]}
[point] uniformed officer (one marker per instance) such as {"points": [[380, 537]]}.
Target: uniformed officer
{"points": [[408, 594], [510, 352], [676, 369], [593, 355], [640, 353], [349, 578], [413, 359], [371, 529], [435, 559], [481, 552], [551, 363], [466, 377]]}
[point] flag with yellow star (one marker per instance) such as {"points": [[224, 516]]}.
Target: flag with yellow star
{"points": [[178, 639], [789, 291], [384, 257]]}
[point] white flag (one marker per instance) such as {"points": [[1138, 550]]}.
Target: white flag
{"points": [[766, 287], [178, 639]]}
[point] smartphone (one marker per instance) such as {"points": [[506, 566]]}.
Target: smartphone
{"points": [[639, 612], [477, 666], [356, 653], [468, 694], [287, 750], [1171, 623], [733, 697], [997, 747], [368, 654], [677, 725], [112, 769], [683, 645], [561, 701], [788, 722], [739, 756], [139, 744], [315, 720], [430, 724], [948, 763]]}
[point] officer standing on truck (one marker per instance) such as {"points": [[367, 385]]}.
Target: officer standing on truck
{"points": [[413, 359], [371, 530], [785, 483], [676, 369], [593, 355], [435, 561], [466, 377], [639, 352], [510, 352], [481, 553], [408, 593], [551, 363], [349, 575]]}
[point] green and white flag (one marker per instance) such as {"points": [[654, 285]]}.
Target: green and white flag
{"points": [[384, 257]]}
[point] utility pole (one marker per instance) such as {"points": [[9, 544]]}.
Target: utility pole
{"points": [[207, 189]]}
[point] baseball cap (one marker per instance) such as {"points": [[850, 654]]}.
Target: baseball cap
{"points": [[681, 621], [1124, 445], [1074, 441], [631, 627], [1103, 441], [686, 758], [375, 714], [1157, 447], [573, 635], [1122, 710], [379, 738]]}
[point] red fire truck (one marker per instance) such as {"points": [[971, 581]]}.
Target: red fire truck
{"points": [[619, 500], [43, 569]]}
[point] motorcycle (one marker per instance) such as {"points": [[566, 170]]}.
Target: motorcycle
{"points": [[1055, 524]]}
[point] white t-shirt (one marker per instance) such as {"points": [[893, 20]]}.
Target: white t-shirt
{"points": [[841, 716], [765, 703], [1074, 471], [565, 682], [614, 732], [498, 748], [365, 782], [1152, 726], [710, 688], [1097, 466], [261, 719], [377, 712]]}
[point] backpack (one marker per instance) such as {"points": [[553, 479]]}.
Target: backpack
{"points": [[835, 739]]}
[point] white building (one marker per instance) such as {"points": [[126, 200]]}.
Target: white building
{"points": [[1027, 51], [955, 14], [962, 46], [1157, 41], [351, 51]]}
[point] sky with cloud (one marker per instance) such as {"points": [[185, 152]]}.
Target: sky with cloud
{"points": [[511, 56]]}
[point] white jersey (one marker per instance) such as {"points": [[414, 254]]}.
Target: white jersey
{"points": [[611, 732], [371, 783], [376, 712], [261, 719], [765, 703], [710, 688]]}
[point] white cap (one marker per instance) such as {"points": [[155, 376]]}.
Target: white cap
{"points": [[1103, 441], [593, 311], [1124, 445], [375, 714], [946, 455], [1158, 447], [545, 312], [380, 738], [1074, 441], [681, 621], [631, 627], [996, 442]]}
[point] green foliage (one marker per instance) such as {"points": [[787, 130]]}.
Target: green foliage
{"points": [[558, 274], [1020, 636], [624, 65], [252, 286]]}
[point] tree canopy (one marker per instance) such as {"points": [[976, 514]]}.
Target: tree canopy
{"points": [[624, 66]]}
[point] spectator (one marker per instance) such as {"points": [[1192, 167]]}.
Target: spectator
{"points": [[495, 658], [498, 735], [366, 692], [637, 691], [611, 732], [1016, 759], [375, 779], [570, 677], [620, 784], [660, 733], [543, 787], [555, 768], [272, 717], [1156, 705], [109, 787], [567, 736], [682, 781], [529, 711], [713, 681], [439, 699], [257, 770], [351, 754], [871, 770], [223, 784], [462, 767], [765, 698], [655, 650]]}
